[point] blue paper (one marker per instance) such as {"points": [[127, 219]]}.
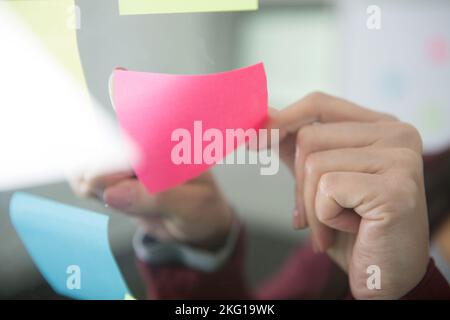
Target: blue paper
{"points": [[69, 246]]}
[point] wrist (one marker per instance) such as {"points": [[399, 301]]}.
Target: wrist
{"points": [[218, 238], [394, 284], [157, 253]]}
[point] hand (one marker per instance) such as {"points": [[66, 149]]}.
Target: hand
{"points": [[194, 213], [360, 188]]}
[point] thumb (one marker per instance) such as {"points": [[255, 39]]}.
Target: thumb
{"points": [[286, 142], [130, 196], [271, 124]]}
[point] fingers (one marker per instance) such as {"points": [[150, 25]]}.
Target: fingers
{"points": [[130, 196], [323, 108], [319, 108], [372, 197], [312, 138], [319, 137], [339, 191], [364, 160], [370, 160], [91, 185], [124, 192], [315, 138], [316, 107], [317, 164]]}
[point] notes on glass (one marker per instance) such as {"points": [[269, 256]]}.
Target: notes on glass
{"points": [[70, 247], [55, 24], [131, 7], [154, 109], [49, 125]]}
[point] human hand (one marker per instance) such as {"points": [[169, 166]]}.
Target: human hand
{"points": [[360, 188], [194, 213]]}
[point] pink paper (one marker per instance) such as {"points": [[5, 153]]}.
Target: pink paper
{"points": [[150, 106]]}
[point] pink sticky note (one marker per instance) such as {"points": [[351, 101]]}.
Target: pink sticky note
{"points": [[152, 107]]}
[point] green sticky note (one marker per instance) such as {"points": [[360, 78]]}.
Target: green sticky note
{"points": [[129, 7], [51, 21]]}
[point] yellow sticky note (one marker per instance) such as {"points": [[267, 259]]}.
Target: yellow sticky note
{"points": [[128, 7], [55, 23]]}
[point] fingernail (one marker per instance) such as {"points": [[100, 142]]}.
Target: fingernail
{"points": [[297, 219], [119, 197]]}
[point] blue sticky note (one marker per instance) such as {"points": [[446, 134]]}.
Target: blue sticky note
{"points": [[69, 246]]}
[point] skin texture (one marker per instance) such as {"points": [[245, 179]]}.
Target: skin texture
{"points": [[195, 213], [359, 188]]}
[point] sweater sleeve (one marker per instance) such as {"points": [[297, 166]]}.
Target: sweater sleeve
{"points": [[178, 281], [433, 286], [305, 275]]}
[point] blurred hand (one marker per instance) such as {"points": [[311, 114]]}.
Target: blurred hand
{"points": [[360, 189], [194, 213]]}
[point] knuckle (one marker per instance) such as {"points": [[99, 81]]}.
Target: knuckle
{"points": [[314, 101], [393, 184], [326, 183], [304, 136], [409, 197], [315, 97], [408, 158], [312, 165], [409, 136], [322, 217], [403, 191]]}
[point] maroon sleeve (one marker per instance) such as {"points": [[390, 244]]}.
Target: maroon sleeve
{"points": [[432, 286], [180, 282], [303, 276], [306, 275]]}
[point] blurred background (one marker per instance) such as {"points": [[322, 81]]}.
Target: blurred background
{"points": [[402, 68]]}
